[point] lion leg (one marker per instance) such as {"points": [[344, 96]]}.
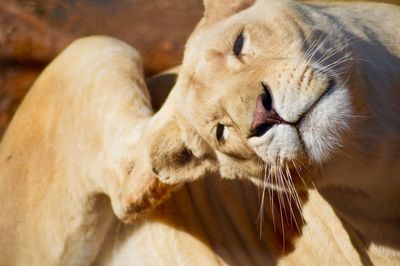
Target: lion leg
{"points": [[72, 140]]}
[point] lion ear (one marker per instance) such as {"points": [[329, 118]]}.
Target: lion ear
{"points": [[218, 9]]}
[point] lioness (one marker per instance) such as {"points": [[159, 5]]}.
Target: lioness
{"points": [[294, 95], [181, 148], [77, 138]]}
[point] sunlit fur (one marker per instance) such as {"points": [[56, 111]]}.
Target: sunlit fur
{"points": [[70, 150], [354, 221]]}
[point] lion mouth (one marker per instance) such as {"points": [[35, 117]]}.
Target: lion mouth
{"points": [[311, 138], [265, 116], [329, 90]]}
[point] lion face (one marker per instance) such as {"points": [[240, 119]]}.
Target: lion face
{"points": [[267, 88]]}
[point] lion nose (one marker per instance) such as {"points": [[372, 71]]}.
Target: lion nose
{"points": [[265, 117]]}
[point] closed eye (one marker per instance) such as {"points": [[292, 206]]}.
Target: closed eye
{"points": [[238, 45]]}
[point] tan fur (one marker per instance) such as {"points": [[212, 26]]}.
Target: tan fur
{"points": [[347, 135], [70, 145], [56, 211], [208, 221], [213, 222]]}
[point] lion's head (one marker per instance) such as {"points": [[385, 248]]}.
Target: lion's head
{"points": [[266, 88], [275, 88]]}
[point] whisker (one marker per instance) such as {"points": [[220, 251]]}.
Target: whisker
{"points": [[320, 45], [282, 185], [271, 198], [298, 172], [334, 51], [301, 46], [309, 50], [295, 197], [336, 63], [258, 176], [261, 212]]}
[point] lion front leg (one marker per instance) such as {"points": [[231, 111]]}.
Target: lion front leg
{"points": [[74, 137]]}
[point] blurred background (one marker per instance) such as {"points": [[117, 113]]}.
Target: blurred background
{"points": [[33, 32]]}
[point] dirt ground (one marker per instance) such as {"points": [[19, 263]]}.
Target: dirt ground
{"points": [[32, 32]]}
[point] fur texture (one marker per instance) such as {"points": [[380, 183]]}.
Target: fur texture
{"points": [[348, 150], [69, 150]]}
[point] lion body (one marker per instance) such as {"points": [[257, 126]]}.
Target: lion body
{"points": [[214, 222], [54, 214], [71, 143]]}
